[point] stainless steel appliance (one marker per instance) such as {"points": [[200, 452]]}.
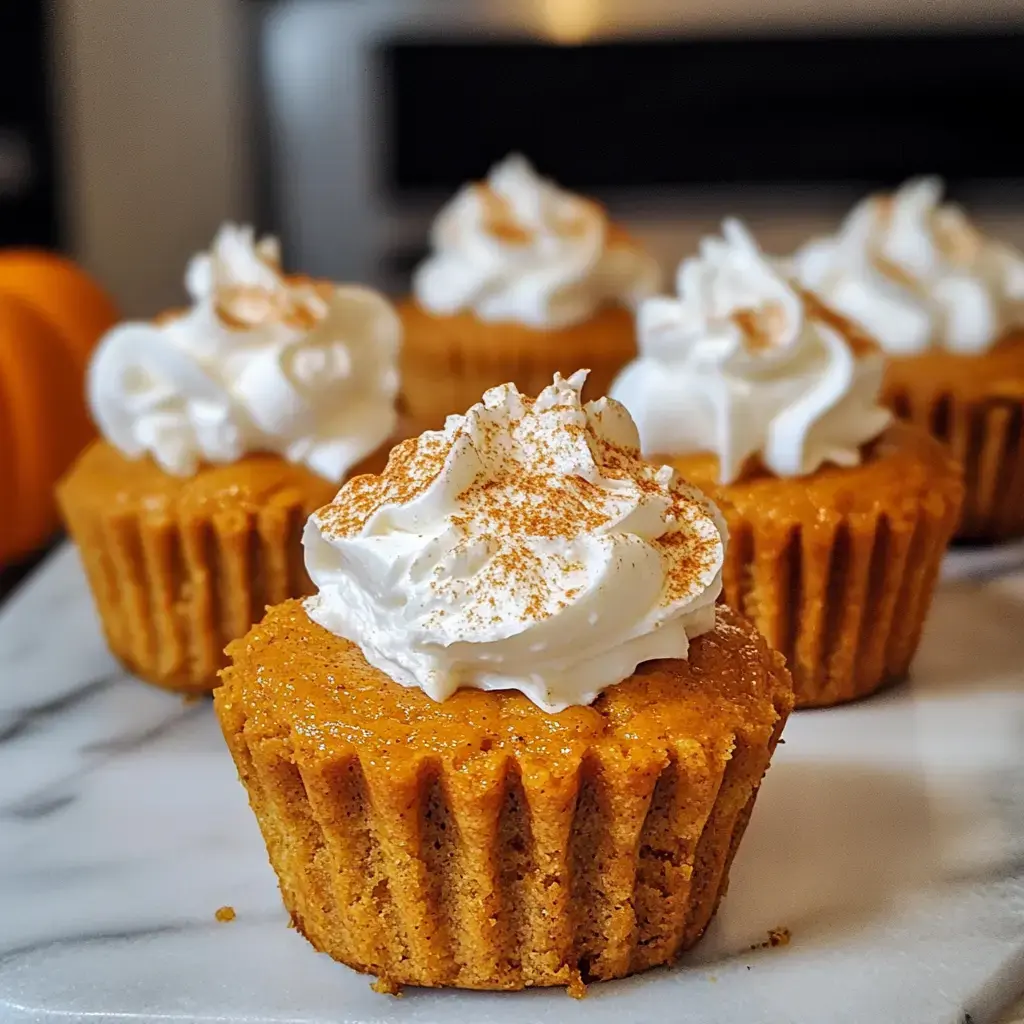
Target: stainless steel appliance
{"points": [[370, 113]]}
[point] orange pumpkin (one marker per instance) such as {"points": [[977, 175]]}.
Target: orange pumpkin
{"points": [[51, 315], [63, 293]]}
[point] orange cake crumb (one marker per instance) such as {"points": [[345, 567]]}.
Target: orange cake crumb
{"points": [[776, 937], [577, 987]]}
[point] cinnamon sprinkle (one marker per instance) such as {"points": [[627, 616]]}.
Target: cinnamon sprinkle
{"points": [[957, 239], [573, 223], [499, 217], [861, 343], [570, 222], [896, 272], [242, 307], [763, 328]]}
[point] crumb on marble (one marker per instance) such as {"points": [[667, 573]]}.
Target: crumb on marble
{"points": [[225, 914], [577, 987], [776, 937], [387, 987]]}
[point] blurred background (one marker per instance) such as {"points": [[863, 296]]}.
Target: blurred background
{"points": [[130, 128]]}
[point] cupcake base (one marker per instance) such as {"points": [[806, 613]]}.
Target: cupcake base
{"points": [[975, 404], [448, 362], [837, 569], [481, 843], [179, 567]]}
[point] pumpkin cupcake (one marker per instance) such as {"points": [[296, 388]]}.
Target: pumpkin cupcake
{"points": [[760, 394], [223, 426], [525, 280], [512, 740], [947, 305]]}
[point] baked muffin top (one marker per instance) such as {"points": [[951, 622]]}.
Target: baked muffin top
{"points": [[292, 678]]}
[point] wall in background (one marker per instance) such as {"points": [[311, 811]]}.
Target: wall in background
{"points": [[154, 131], [153, 136]]}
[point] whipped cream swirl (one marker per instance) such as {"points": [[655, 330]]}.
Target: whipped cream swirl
{"points": [[260, 362], [743, 364], [526, 546], [916, 274], [518, 248]]}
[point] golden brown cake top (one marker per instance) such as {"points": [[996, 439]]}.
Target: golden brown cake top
{"points": [[290, 677], [992, 376], [528, 545], [103, 478], [901, 469]]}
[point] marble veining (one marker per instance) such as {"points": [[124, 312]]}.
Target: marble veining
{"points": [[889, 837]]}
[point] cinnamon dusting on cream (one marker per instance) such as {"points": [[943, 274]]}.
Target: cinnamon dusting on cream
{"points": [[526, 546], [517, 248], [521, 495], [499, 218]]}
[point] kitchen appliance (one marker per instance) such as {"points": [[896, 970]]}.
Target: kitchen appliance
{"points": [[28, 205], [369, 115]]}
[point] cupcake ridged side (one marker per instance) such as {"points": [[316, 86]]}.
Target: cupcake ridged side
{"points": [[845, 600], [837, 568], [986, 435], [973, 403], [479, 868], [172, 595], [176, 579], [449, 362]]}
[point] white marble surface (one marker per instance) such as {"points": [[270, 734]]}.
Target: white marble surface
{"points": [[889, 838]]}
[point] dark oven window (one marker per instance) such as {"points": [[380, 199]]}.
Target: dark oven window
{"points": [[634, 114], [28, 208]]}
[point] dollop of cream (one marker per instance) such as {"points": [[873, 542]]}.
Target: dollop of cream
{"points": [[518, 248], [526, 546], [916, 274], [259, 363], [744, 364]]}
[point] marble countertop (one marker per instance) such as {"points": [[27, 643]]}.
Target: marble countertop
{"points": [[889, 838]]}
